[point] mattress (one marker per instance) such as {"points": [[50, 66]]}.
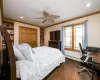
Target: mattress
{"points": [[45, 60]]}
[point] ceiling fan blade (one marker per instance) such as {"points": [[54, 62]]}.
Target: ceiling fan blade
{"points": [[46, 14], [44, 20], [54, 16], [51, 20], [40, 18]]}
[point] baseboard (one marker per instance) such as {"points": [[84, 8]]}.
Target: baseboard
{"points": [[73, 58]]}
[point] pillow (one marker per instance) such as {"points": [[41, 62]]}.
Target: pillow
{"points": [[29, 47], [18, 54], [26, 50]]}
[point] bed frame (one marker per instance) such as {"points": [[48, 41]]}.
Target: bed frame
{"points": [[10, 53], [11, 56]]}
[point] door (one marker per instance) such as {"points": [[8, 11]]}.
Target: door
{"points": [[28, 35]]}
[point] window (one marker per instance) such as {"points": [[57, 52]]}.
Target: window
{"points": [[73, 36], [68, 37]]}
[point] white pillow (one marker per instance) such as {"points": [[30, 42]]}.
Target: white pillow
{"points": [[26, 50], [29, 47], [18, 54]]}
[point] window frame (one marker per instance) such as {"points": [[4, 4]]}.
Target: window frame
{"points": [[72, 49]]}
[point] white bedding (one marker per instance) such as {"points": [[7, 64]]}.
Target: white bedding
{"points": [[45, 60]]}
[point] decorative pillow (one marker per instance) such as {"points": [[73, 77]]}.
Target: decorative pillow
{"points": [[18, 54], [29, 47], [26, 50]]}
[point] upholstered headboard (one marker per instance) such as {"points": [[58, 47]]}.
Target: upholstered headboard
{"points": [[10, 51]]}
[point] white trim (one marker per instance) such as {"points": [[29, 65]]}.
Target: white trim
{"points": [[73, 58]]}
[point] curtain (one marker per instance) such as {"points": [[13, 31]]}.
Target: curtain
{"points": [[85, 40], [62, 39]]}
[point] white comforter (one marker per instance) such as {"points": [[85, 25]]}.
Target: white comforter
{"points": [[44, 61]]}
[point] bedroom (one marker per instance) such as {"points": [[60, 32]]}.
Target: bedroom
{"points": [[44, 24]]}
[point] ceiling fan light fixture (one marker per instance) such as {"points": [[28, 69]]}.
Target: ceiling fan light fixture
{"points": [[48, 18], [41, 23]]}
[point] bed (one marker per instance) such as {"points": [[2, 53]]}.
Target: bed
{"points": [[36, 64], [45, 60]]}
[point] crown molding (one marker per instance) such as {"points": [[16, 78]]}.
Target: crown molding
{"points": [[12, 20], [79, 17]]}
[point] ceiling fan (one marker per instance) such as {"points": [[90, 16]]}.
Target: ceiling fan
{"points": [[48, 17]]}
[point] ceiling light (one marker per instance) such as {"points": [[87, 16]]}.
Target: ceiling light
{"points": [[21, 17], [88, 5]]}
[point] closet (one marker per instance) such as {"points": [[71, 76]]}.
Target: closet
{"points": [[28, 35]]}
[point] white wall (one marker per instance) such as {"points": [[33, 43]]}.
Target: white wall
{"points": [[16, 31], [0, 17], [93, 29]]}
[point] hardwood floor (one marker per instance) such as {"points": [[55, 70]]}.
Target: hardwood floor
{"points": [[69, 71]]}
